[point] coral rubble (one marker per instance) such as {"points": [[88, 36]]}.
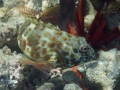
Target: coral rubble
{"points": [[14, 76], [10, 67], [9, 24], [104, 72]]}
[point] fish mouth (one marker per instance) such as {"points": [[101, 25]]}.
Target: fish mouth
{"points": [[82, 59], [85, 57]]}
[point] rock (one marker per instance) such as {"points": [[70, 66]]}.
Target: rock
{"points": [[103, 73], [9, 68], [58, 82], [14, 76], [12, 3], [9, 24], [7, 51], [97, 4], [72, 86], [47, 86], [70, 76], [47, 3], [90, 13], [11, 19]]}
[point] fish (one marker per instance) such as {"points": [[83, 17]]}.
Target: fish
{"points": [[45, 43]]}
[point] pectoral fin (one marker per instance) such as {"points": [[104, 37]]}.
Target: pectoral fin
{"points": [[43, 66]]}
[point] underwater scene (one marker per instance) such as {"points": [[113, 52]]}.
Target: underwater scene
{"points": [[59, 44]]}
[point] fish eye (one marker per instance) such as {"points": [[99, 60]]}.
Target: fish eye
{"points": [[84, 49]]}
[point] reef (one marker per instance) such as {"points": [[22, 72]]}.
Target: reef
{"points": [[10, 67], [96, 23], [102, 73]]}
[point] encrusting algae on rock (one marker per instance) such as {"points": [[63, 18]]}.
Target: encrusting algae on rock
{"points": [[46, 43]]}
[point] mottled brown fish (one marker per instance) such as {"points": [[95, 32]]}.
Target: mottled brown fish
{"points": [[45, 43]]}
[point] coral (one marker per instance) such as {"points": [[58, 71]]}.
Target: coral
{"points": [[47, 3], [12, 3], [33, 4], [14, 76], [9, 26], [10, 67], [3, 11], [40, 5], [88, 18], [56, 72], [6, 32], [104, 72], [3, 73]]}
